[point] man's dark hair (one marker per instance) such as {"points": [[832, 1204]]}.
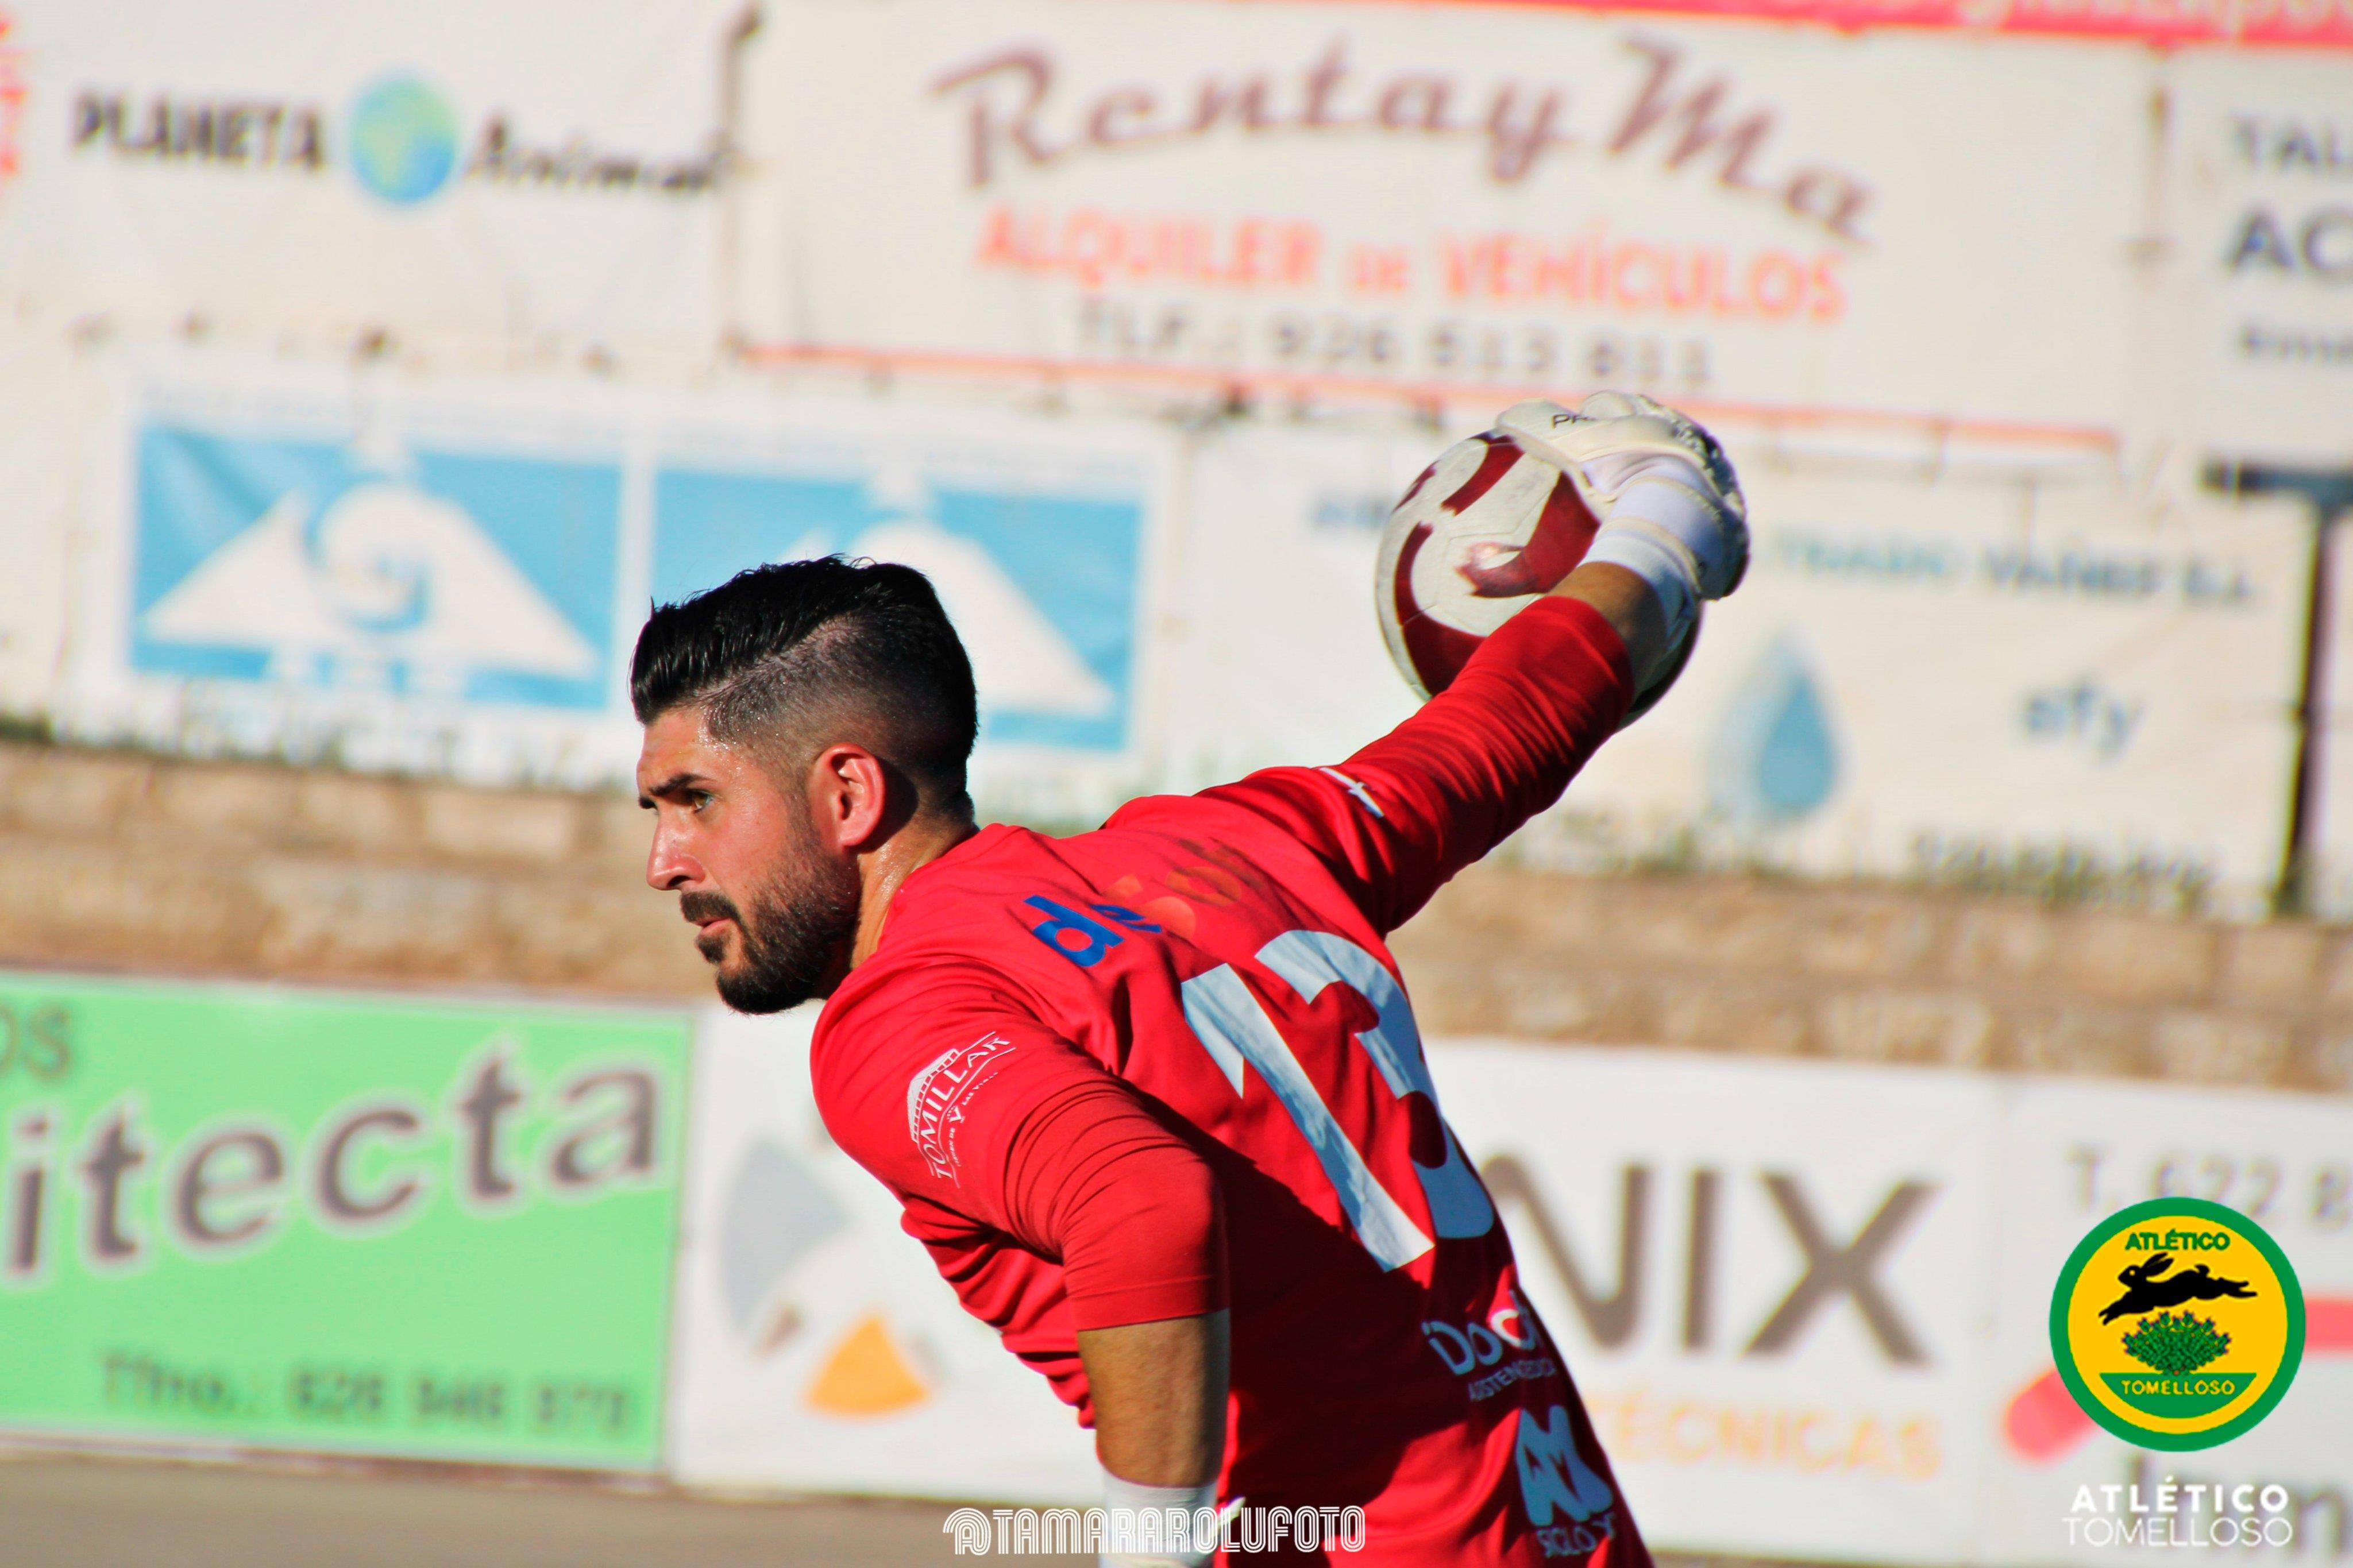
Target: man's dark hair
{"points": [[804, 654]]}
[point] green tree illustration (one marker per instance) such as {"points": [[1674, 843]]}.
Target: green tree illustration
{"points": [[2175, 1344]]}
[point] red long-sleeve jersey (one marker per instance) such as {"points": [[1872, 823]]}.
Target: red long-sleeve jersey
{"points": [[1169, 1066]]}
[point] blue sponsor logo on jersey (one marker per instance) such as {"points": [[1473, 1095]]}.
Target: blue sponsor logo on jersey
{"points": [[1079, 938]]}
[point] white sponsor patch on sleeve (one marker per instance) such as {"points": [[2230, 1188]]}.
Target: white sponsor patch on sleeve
{"points": [[938, 1095]]}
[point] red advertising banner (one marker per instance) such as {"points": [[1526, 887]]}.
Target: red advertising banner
{"points": [[2270, 23], [12, 99]]}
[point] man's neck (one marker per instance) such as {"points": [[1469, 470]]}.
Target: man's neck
{"points": [[923, 840]]}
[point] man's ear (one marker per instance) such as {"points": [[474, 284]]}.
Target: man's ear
{"points": [[849, 797]]}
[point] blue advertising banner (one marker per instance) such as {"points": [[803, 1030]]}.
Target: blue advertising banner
{"points": [[1044, 582], [481, 576], [447, 576]]}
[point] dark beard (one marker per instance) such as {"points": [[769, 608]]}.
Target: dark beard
{"points": [[794, 942]]}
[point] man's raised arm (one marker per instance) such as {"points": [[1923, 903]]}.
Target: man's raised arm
{"points": [[1400, 817]]}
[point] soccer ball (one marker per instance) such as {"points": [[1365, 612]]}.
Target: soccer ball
{"points": [[1487, 530]]}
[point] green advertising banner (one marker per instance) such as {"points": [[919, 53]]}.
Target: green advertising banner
{"points": [[365, 1224]]}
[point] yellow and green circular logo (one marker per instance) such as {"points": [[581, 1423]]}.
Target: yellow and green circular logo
{"points": [[2178, 1324]]}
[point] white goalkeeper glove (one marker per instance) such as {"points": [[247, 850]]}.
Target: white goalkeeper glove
{"points": [[1668, 505]]}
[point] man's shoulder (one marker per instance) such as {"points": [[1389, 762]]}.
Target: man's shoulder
{"points": [[1280, 820]]}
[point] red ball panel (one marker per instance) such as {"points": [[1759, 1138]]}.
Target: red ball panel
{"points": [[1437, 651]]}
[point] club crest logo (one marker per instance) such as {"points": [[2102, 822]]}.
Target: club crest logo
{"points": [[2178, 1324]]}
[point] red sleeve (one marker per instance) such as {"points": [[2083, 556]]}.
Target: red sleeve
{"points": [[1398, 820], [965, 1106], [1132, 1212]]}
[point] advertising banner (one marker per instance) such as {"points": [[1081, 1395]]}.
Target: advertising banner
{"points": [[529, 173], [2043, 687], [2073, 1154], [1044, 535], [1275, 655], [2049, 686], [1887, 234], [366, 1225], [2260, 175], [47, 394], [13, 92], [1810, 1305], [817, 1348], [351, 570], [448, 575], [1768, 1279], [2266, 22], [2330, 883]]}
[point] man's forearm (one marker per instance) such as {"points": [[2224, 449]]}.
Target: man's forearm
{"points": [[1159, 1392], [1630, 607]]}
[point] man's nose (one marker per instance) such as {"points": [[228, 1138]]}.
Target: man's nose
{"points": [[670, 866]]}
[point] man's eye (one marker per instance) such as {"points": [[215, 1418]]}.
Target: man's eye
{"points": [[697, 799]]}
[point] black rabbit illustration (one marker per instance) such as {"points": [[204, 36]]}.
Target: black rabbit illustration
{"points": [[2145, 1292]]}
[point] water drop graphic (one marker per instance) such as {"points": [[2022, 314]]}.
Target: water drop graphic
{"points": [[1775, 759]]}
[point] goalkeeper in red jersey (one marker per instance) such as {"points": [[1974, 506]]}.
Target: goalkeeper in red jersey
{"points": [[1152, 1096]]}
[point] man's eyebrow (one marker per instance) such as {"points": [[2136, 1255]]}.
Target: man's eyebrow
{"points": [[673, 785]]}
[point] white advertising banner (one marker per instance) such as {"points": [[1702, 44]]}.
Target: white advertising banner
{"points": [[2049, 686], [1275, 655], [449, 574], [2072, 1155], [528, 173], [1807, 1303], [46, 391], [1768, 1279], [816, 1348], [2032, 686], [2260, 177], [1875, 233], [2330, 833]]}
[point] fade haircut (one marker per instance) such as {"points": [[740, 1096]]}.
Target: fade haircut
{"points": [[790, 658]]}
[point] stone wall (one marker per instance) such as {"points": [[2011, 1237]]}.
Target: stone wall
{"points": [[123, 862], [112, 861], [1886, 975]]}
